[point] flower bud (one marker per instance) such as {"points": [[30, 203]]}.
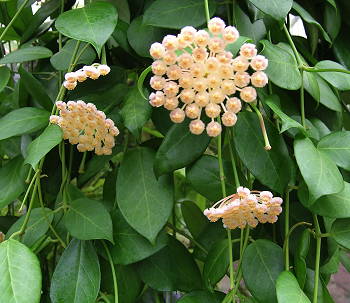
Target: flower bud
{"points": [[157, 82], [81, 76], [212, 110], [229, 119], [186, 80], [259, 62], [230, 34], [171, 89], [216, 45], [170, 42], [213, 129], [248, 94], [69, 85], [185, 60], [169, 57], [234, 105], [187, 95], [259, 79], [197, 127], [242, 79], [177, 115], [240, 64], [199, 54], [192, 111], [201, 38], [174, 72], [200, 84], [248, 50], [188, 33], [159, 68], [156, 99], [103, 69], [216, 26], [171, 103], [216, 96], [202, 98], [157, 50], [71, 77], [228, 87]]}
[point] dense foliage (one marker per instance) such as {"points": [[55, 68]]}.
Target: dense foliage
{"points": [[127, 226]]}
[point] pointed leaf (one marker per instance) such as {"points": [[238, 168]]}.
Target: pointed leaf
{"points": [[26, 54], [88, 219], [93, 23], [60, 60], [179, 148], [262, 263], [334, 205], [288, 289], [177, 14], [12, 176], [300, 257], [278, 9], [20, 274], [327, 96], [77, 275], [319, 172], [23, 121], [37, 149], [172, 268], [201, 296], [337, 146], [194, 218], [130, 246], [145, 202], [283, 68], [135, 112], [340, 231], [5, 75], [339, 80], [37, 225]]}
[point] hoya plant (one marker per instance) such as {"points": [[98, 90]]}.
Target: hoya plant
{"points": [[191, 151]]}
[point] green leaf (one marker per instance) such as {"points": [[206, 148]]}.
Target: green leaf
{"points": [[35, 89], [37, 225], [12, 176], [77, 275], [340, 231], [20, 274], [216, 264], [300, 257], [172, 268], [332, 22], [37, 149], [176, 14], [141, 80], [319, 172], [283, 68], [194, 218], [204, 176], [288, 289], [278, 9], [5, 74], [26, 54], [201, 296], [339, 80], [334, 205], [179, 148], [249, 144], [60, 60], [88, 219], [273, 102], [145, 202], [130, 246], [327, 96], [93, 23], [141, 36], [311, 86], [235, 47], [22, 121], [135, 112], [337, 146], [304, 14], [262, 263]]}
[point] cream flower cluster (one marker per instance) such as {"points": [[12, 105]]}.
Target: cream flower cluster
{"points": [[86, 126], [193, 73], [93, 71], [246, 207]]}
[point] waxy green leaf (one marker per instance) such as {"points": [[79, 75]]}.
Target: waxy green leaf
{"points": [[26, 54], [339, 79], [93, 23], [278, 9], [288, 289]]}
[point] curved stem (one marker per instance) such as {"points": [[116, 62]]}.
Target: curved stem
{"points": [[318, 257], [115, 282], [206, 8], [23, 5], [28, 189], [233, 162], [286, 240], [290, 40], [262, 126], [286, 230], [302, 102]]}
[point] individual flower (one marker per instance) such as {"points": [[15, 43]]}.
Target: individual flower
{"points": [[195, 75], [93, 71], [84, 125], [245, 208]]}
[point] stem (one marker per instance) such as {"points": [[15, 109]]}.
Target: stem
{"points": [[206, 8], [232, 281], [188, 237], [115, 282], [233, 162], [82, 164], [262, 126], [302, 102], [290, 40], [28, 189], [286, 230], [317, 260], [324, 70], [23, 5], [103, 55]]}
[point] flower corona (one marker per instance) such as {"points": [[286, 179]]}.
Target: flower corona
{"points": [[194, 74], [84, 125], [246, 208]]}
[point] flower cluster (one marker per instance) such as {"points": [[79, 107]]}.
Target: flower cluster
{"points": [[246, 207], [195, 69], [93, 71], [86, 126]]}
